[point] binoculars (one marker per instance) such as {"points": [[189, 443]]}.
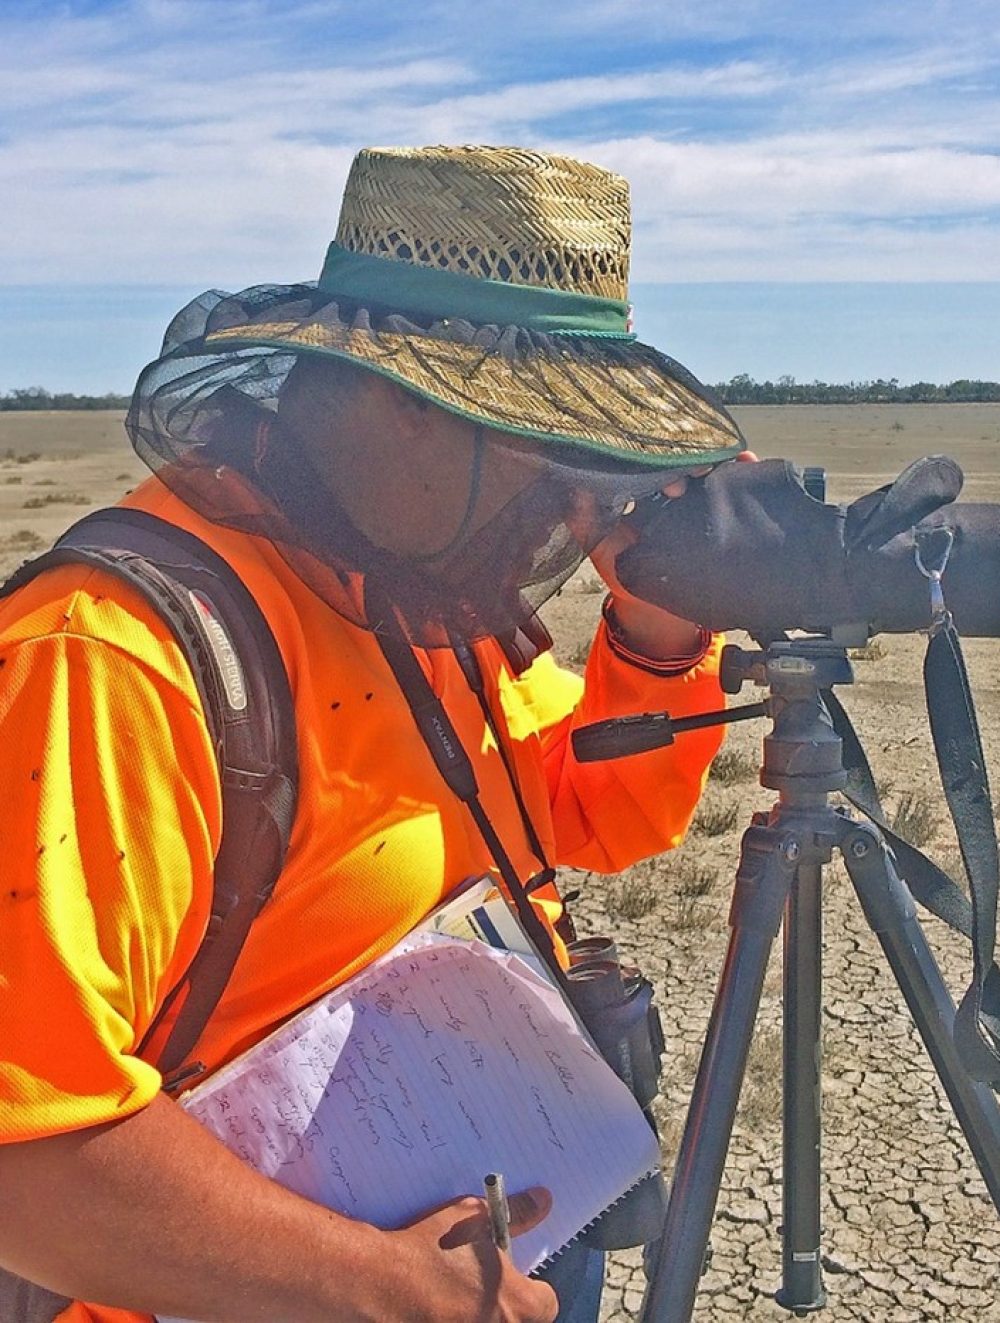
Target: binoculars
{"points": [[615, 1003]]}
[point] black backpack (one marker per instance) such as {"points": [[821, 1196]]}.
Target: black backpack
{"points": [[244, 689]]}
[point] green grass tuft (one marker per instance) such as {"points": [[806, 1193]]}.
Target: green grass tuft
{"points": [[715, 819], [732, 766], [55, 498], [914, 819]]}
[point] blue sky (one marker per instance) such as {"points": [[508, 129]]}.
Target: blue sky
{"points": [[816, 189]]}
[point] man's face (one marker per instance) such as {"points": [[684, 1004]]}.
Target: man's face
{"points": [[411, 476], [480, 517], [495, 529], [462, 514]]}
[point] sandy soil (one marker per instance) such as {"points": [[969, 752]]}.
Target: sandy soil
{"points": [[909, 1232]]}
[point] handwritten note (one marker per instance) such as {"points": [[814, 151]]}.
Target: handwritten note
{"points": [[440, 1063]]}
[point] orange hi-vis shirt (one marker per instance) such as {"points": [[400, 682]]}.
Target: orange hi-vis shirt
{"points": [[112, 816]]}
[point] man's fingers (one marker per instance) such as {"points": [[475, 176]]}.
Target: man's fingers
{"points": [[468, 1221], [528, 1208], [462, 1221], [454, 1241], [675, 489]]}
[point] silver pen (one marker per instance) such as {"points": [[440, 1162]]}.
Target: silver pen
{"points": [[498, 1210]]}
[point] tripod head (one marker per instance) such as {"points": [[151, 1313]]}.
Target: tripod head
{"points": [[802, 754], [790, 668]]}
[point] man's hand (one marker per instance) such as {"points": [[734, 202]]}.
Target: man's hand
{"points": [[452, 1272], [649, 630], [153, 1214]]}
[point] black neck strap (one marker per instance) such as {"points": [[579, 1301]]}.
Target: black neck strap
{"points": [[962, 765], [442, 741], [474, 678]]}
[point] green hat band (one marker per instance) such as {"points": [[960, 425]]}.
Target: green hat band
{"points": [[429, 292]]}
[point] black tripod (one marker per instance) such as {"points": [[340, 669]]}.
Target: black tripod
{"points": [[780, 875]]}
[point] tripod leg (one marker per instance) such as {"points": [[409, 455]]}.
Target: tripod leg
{"points": [[767, 864], [890, 911], [802, 1282]]}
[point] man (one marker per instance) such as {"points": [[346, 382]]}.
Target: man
{"points": [[437, 432]]}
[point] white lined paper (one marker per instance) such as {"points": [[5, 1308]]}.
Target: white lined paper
{"points": [[441, 1062]]}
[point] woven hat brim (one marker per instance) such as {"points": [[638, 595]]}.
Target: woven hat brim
{"points": [[621, 399]]}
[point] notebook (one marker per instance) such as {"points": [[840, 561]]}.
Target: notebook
{"points": [[401, 1089]]}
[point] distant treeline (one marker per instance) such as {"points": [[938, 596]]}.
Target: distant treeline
{"points": [[740, 390], [786, 390], [36, 398]]}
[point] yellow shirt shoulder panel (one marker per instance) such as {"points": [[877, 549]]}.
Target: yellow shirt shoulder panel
{"points": [[111, 822]]}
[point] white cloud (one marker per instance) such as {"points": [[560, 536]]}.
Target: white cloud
{"points": [[170, 140], [828, 250], [768, 179], [804, 208]]}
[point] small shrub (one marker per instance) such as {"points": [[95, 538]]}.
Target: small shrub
{"points": [[45, 482], [716, 819], [897, 426], [691, 912], [873, 651], [25, 539], [592, 584], [12, 480], [760, 1106], [635, 895], [914, 818], [689, 884], [732, 766], [28, 457], [686, 878], [55, 498]]}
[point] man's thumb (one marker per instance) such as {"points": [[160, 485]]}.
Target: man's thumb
{"points": [[528, 1208]]}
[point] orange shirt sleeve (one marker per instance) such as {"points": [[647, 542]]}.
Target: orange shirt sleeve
{"points": [[110, 821], [608, 815]]}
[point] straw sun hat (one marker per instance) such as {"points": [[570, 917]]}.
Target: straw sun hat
{"points": [[490, 280]]}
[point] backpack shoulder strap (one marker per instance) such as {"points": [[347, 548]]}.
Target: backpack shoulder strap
{"points": [[247, 700]]}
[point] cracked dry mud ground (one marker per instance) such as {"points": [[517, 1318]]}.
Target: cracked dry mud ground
{"points": [[909, 1234]]}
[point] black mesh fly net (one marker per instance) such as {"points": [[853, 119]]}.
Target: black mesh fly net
{"points": [[207, 421]]}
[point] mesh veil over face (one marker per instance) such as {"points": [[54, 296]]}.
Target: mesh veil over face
{"points": [[206, 423]]}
